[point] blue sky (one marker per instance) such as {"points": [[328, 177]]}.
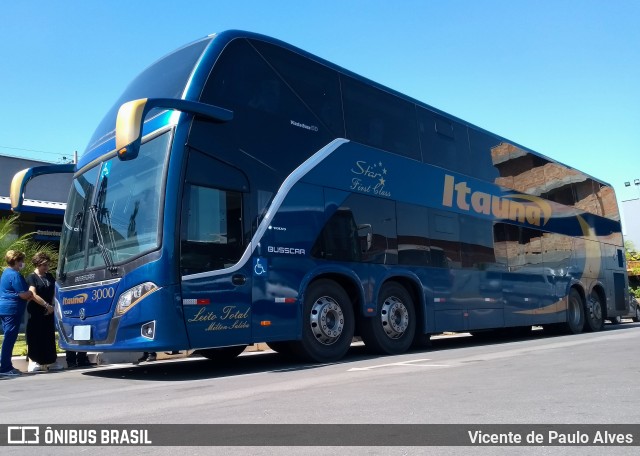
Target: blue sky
{"points": [[561, 77]]}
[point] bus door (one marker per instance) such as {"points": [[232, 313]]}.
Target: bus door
{"points": [[216, 290]]}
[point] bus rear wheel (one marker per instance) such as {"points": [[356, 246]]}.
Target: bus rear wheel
{"points": [[594, 313], [392, 330], [327, 323], [575, 313], [222, 354]]}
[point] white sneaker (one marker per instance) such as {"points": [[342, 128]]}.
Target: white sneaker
{"points": [[35, 367], [55, 366]]}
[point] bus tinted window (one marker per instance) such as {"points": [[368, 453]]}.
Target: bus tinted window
{"points": [[556, 251], [363, 229], [413, 235], [211, 229], [444, 234], [521, 248], [379, 119], [481, 146], [586, 198], [528, 174], [271, 123], [559, 186], [444, 143], [316, 85], [476, 237]]}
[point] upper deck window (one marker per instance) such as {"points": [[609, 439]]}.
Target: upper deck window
{"points": [[285, 106], [380, 119]]}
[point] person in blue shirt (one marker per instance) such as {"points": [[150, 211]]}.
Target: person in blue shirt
{"points": [[14, 294]]}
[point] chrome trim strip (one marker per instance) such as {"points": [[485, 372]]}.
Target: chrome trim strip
{"points": [[283, 191], [91, 285]]}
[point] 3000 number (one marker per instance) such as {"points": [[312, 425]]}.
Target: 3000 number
{"points": [[102, 293]]}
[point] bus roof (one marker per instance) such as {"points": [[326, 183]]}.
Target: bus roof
{"points": [[191, 65]]}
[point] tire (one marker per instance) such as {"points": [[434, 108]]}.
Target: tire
{"points": [[594, 313], [575, 313], [392, 330], [222, 354], [421, 341], [637, 317], [327, 323]]}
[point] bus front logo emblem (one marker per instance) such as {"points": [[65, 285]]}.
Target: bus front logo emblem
{"points": [[82, 314]]}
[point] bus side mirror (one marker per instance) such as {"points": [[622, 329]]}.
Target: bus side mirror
{"points": [[16, 192], [130, 120], [21, 178], [129, 128]]}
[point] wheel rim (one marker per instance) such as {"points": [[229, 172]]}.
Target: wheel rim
{"points": [[327, 320], [395, 317], [595, 308], [574, 311]]}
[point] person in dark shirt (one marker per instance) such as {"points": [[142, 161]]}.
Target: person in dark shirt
{"points": [[41, 338]]}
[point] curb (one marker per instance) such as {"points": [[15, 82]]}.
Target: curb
{"points": [[104, 358]]}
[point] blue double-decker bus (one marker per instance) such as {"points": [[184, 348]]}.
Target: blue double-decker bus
{"points": [[242, 190]]}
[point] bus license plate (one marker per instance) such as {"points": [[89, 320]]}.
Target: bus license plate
{"points": [[82, 332]]}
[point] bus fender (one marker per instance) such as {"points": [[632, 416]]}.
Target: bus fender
{"points": [[403, 275], [345, 276], [577, 284]]}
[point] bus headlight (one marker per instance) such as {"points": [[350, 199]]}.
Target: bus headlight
{"points": [[133, 296], [56, 309]]}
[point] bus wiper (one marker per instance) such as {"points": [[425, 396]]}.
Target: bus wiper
{"points": [[101, 215], [106, 254]]}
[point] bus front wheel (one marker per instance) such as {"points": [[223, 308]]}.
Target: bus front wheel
{"points": [[594, 318], [327, 323], [392, 330]]}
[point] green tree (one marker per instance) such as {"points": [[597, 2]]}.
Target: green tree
{"points": [[630, 251], [25, 243]]}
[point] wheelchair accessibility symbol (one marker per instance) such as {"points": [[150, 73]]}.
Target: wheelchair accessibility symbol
{"points": [[259, 266]]}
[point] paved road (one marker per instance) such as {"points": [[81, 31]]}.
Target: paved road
{"points": [[588, 378]]}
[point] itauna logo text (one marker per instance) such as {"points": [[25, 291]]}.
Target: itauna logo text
{"points": [[77, 299], [533, 210]]}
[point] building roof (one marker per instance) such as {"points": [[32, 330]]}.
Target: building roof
{"points": [[41, 207]]}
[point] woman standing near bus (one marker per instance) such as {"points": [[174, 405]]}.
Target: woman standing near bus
{"points": [[14, 294], [41, 339]]}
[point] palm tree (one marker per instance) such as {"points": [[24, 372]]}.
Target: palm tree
{"points": [[25, 243]]}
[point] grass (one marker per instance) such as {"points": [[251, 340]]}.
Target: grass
{"points": [[20, 348]]}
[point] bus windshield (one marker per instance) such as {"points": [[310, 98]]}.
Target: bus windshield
{"points": [[114, 210]]}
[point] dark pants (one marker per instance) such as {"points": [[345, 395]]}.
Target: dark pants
{"points": [[75, 358], [10, 327], [41, 336]]}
